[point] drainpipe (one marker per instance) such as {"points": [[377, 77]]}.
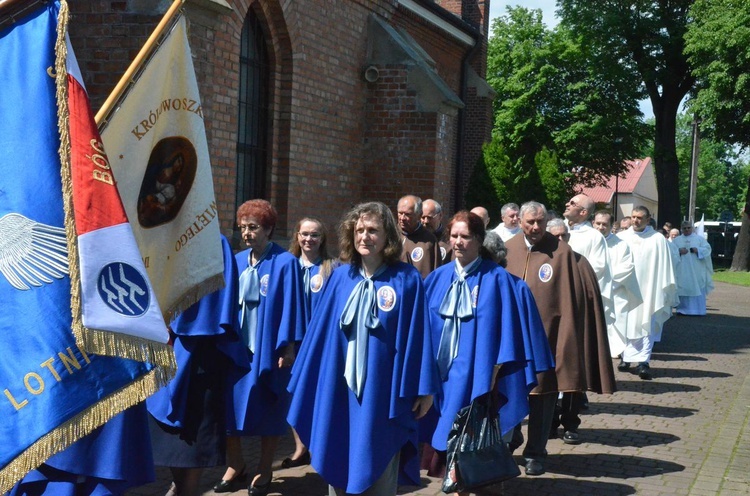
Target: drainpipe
{"points": [[465, 67]]}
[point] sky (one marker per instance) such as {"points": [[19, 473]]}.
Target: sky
{"points": [[497, 8]]}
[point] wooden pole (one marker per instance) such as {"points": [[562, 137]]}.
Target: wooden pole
{"points": [[139, 60]]}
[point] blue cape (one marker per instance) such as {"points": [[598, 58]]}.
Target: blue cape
{"points": [[212, 321], [260, 398], [113, 458], [506, 330], [352, 440]]}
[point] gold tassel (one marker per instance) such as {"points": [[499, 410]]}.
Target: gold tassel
{"points": [[114, 344], [191, 297]]}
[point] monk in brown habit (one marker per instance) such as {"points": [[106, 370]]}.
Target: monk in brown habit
{"points": [[566, 298]]}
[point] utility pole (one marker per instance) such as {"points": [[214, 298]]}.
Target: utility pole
{"points": [[694, 169]]}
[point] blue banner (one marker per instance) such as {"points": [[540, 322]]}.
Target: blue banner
{"points": [[52, 392]]}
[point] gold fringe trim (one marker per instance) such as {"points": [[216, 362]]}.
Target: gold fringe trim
{"points": [[63, 125], [110, 343], [91, 340], [81, 425], [191, 297]]}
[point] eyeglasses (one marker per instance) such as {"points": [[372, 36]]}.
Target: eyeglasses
{"points": [[311, 235], [249, 227]]}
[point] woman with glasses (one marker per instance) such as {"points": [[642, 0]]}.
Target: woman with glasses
{"points": [[309, 245], [271, 324], [365, 371]]}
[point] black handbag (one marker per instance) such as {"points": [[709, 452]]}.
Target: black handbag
{"points": [[476, 453]]}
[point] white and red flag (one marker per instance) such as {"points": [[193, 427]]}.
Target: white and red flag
{"points": [[116, 293]]}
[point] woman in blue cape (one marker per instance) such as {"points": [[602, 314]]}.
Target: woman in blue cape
{"points": [[486, 332], [271, 325], [365, 371], [310, 245], [187, 415]]}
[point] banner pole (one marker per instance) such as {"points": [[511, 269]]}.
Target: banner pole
{"points": [[135, 66]]}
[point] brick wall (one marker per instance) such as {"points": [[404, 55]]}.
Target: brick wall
{"points": [[334, 139]]}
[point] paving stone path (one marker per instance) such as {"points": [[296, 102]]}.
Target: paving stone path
{"points": [[686, 432]]}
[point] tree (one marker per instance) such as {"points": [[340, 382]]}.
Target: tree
{"points": [[722, 173], [553, 100], [495, 181], [644, 39], [718, 46]]}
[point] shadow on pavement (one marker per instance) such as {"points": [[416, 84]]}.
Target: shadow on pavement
{"points": [[622, 438], [639, 410], [674, 357], [700, 335], [524, 486], [308, 483], [655, 386], [688, 374], [608, 465]]}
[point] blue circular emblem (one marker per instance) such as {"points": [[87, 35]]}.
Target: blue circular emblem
{"points": [[474, 296], [123, 289], [417, 254], [386, 298], [264, 285], [545, 273], [316, 283]]}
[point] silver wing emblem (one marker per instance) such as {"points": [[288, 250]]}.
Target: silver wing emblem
{"points": [[31, 253]]}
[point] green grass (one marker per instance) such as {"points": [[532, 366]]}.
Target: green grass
{"points": [[737, 278]]}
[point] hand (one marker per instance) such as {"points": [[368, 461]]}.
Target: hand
{"points": [[288, 357], [683, 251], [421, 406]]}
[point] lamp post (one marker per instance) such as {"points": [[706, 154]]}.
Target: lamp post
{"points": [[694, 169]]}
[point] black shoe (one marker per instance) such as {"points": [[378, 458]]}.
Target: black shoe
{"points": [[302, 460], [571, 437], [234, 484], [623, 366], [644, 371], [259, 489], [534, 467]]}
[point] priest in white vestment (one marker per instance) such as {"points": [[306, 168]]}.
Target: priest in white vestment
{"points": [[589, 242], [626, 295], [509, 225], [655, 275], [694, 272]]}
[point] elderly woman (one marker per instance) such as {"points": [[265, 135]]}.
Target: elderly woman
{"points": [[309, 245], [271, 323], [486, 331], [365, 370]]}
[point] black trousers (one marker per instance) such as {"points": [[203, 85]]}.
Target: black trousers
{"points": [[567, 412], [541, 413]]}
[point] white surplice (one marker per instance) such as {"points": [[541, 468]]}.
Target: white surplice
{"points": [[587, 241], [656, 281], [694, 274], [626, 295]]}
